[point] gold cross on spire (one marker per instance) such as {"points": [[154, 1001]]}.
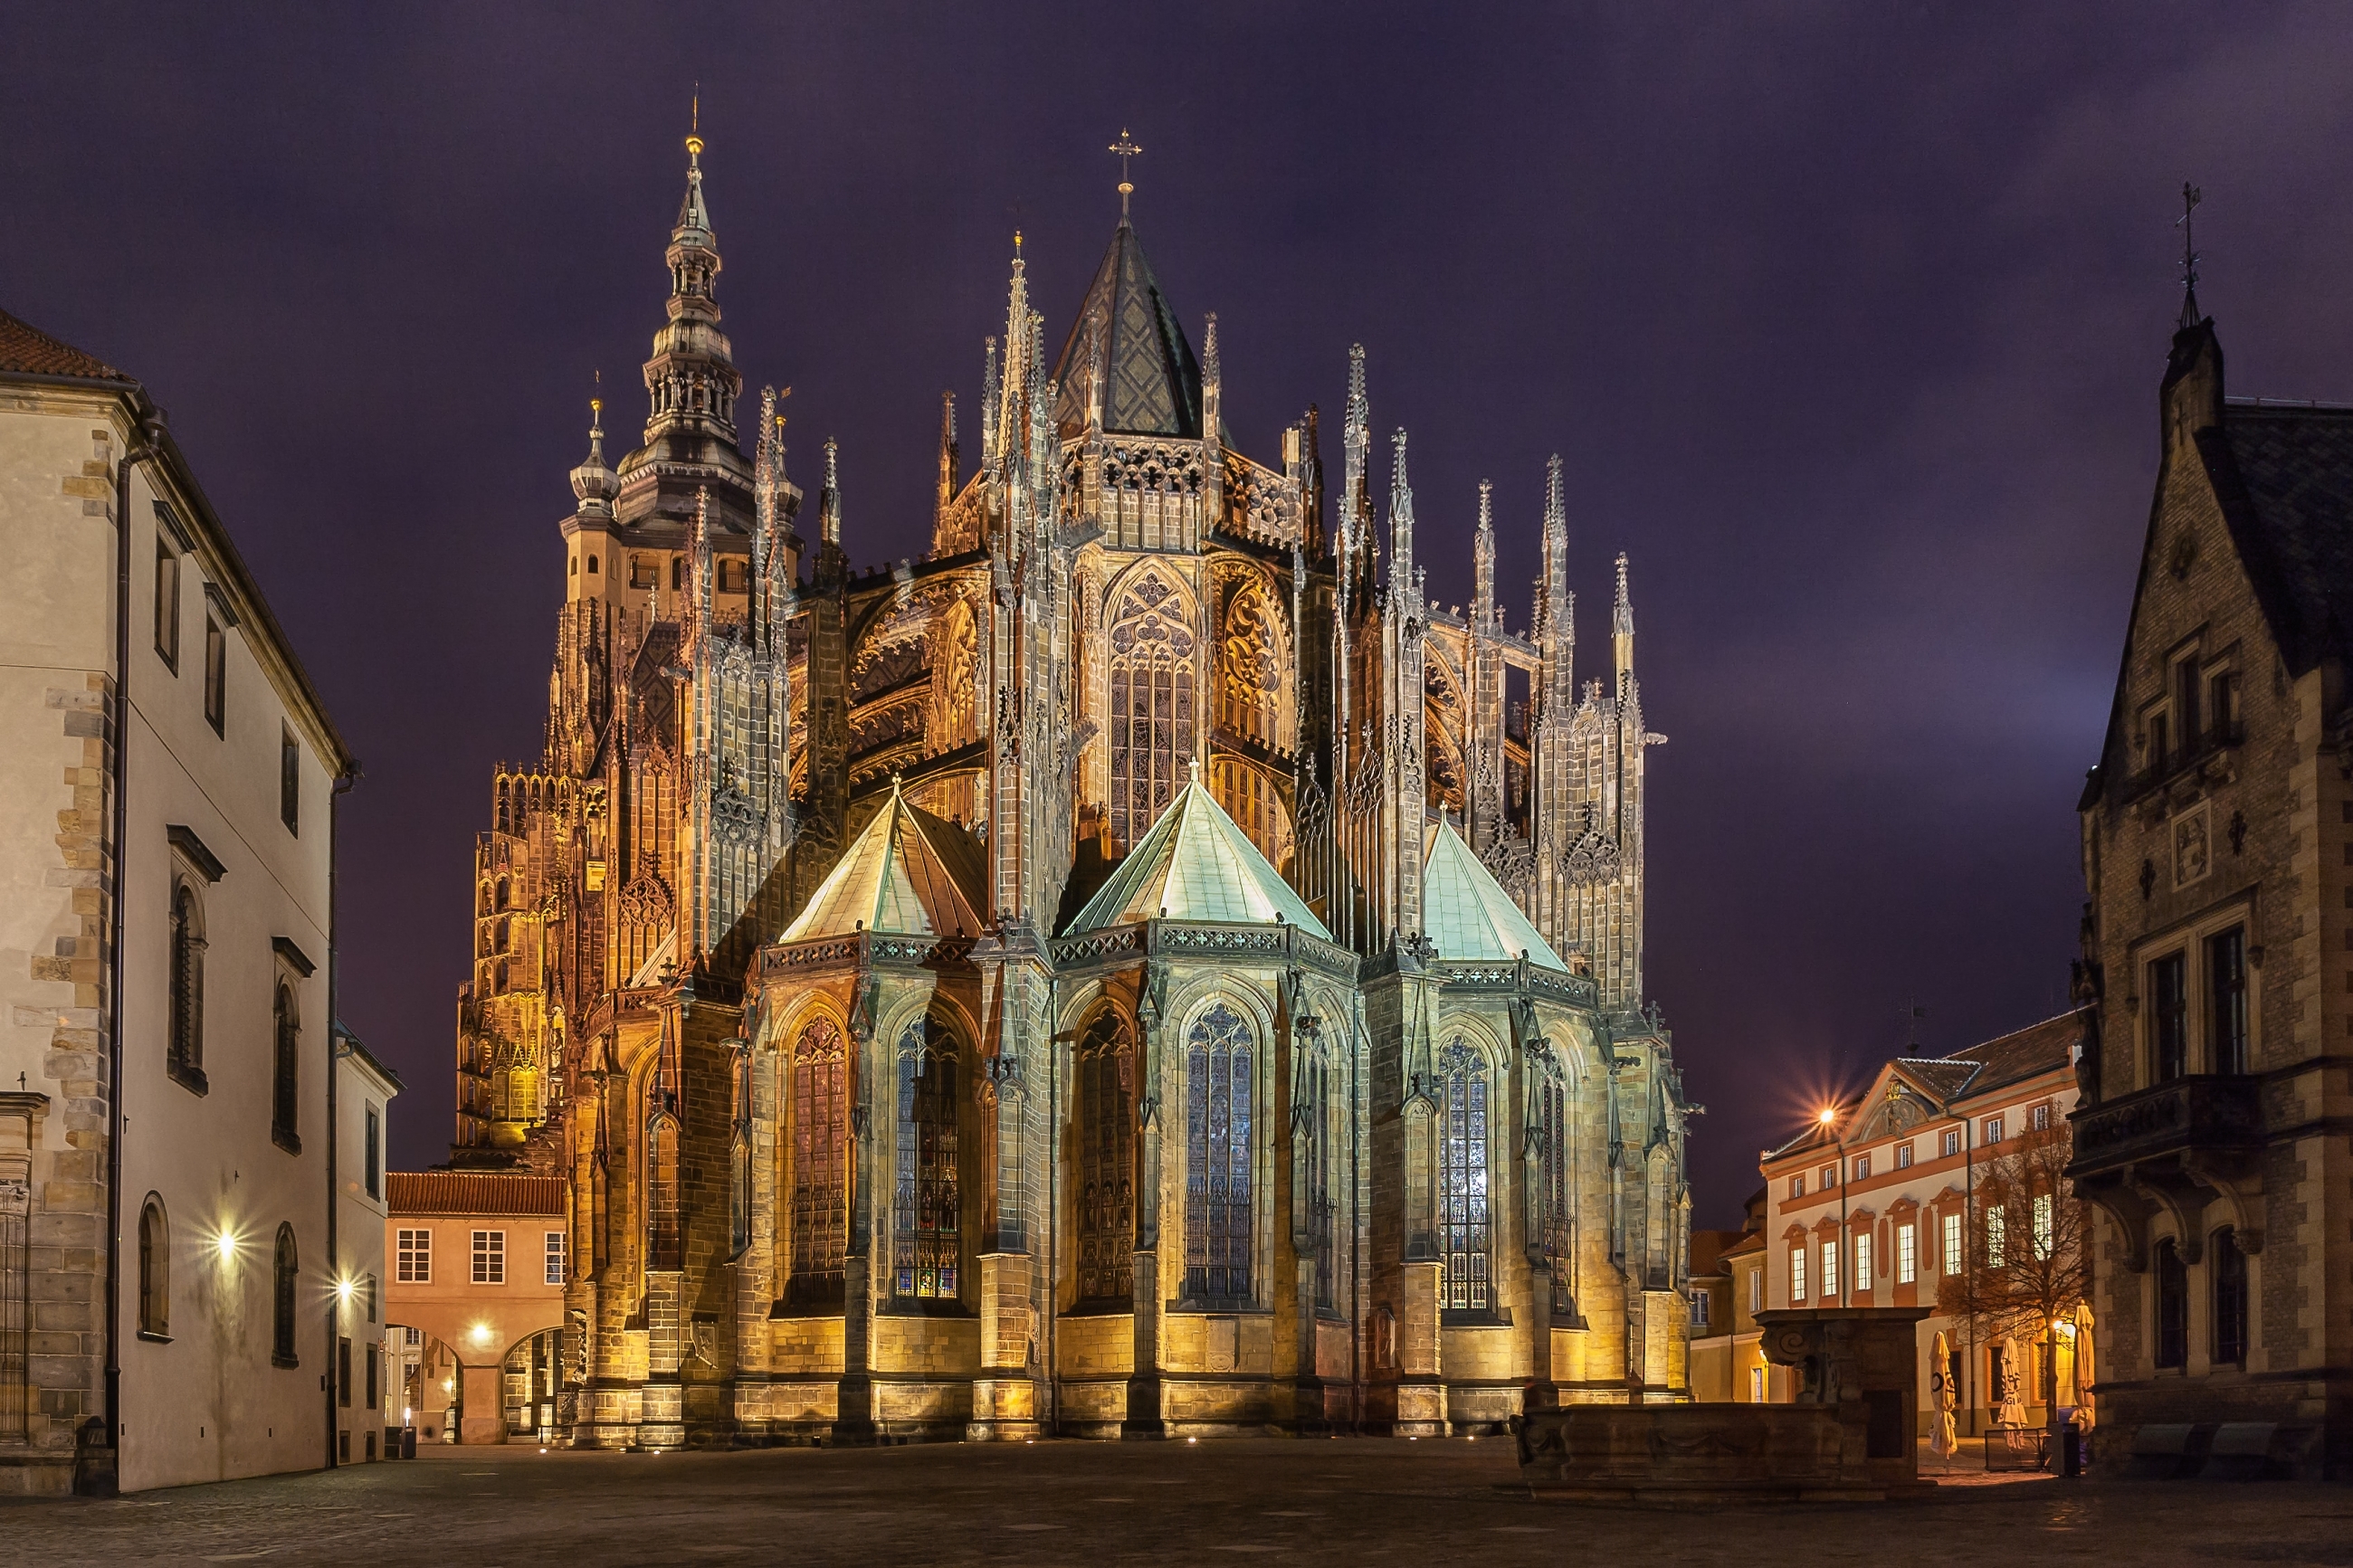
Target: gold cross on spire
{"points": [[695, 125], [1125, 149]]}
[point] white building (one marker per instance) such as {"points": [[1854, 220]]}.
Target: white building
{"points": [[1878, 1202], [168, 1300], [363, 1092]]}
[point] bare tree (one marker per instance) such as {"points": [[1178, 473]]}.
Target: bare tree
{"points": [[2027, 1262]]}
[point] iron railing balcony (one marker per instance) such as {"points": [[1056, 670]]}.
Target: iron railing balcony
{"points": [[2202, 1113]]}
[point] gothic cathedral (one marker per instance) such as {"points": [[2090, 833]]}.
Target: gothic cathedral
{"points": [[1137, 970]]}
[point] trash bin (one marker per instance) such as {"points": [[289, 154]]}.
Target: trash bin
{"points": [[2070, 1450], [408, 1442]]}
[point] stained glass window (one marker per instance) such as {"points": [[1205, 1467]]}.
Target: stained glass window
{"points": [[1217, 1058], [1464, 1229], [821, 1187], [1151, 708], [1553, 1211], [1106, 1195], [926, 1228], [1316, 1094]]}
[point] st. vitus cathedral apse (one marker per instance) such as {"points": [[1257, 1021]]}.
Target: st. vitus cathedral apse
{"points": [[1139, 969]]}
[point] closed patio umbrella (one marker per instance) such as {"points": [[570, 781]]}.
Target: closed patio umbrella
{"points": [[1942, 1437]]}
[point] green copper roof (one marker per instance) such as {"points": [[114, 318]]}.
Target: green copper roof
{"points": [[1468, 915], [1196, 864], [909, 874]]}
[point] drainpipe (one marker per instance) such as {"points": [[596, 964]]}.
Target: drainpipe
{"points": [[143, 447], [336, 1051]]}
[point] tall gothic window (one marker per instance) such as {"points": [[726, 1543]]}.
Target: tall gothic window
{"points": [[926, 1209], [1151, 707], [1217, 1058], [1315, 1111], [1465, 1230], [286, 1042], [2230, 1298], [284, 1272], [820, 1196], [1252, 660], [154, 1269], [665, 1247], [2172, 1306], [1105, 1089], [1552, 1181], [186, 1050]]}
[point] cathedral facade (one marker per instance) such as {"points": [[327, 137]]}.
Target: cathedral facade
{"points": [[1139, 969]]}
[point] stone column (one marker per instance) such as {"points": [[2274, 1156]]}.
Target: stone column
{"points": [[1145, 1418]]}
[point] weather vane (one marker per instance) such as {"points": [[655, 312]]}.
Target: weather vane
{"points": [[694, 124], [2191, 197], [1125, 149]]}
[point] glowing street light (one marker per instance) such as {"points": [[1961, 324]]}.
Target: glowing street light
{"points": [[227, 1242], [1829, 1115], [481, 1333]]}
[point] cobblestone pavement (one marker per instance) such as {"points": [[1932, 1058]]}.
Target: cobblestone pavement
{"points": [[1354, 1500]]}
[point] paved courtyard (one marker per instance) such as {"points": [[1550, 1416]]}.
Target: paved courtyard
{"points": [[1346, 1501]]}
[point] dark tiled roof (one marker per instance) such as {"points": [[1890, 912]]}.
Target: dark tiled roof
{"points": [[28, 351], [2037, 1048], [472, 1192], [2284, 476], [1152, 384]]}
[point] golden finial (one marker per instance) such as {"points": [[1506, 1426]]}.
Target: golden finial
{"points": [[695, 125], [1125, 148]]}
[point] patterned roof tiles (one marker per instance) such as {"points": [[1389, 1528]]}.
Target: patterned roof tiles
{"points": [[1196, 864], [26, 349], [909, 874], [471, 1191]]}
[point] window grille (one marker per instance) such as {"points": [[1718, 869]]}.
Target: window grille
{"points": [[1465, 1231], [489, 1257], [927, 1231], [555, 1241], [413, 1260], [1151, 705], [1106, 1195], [1218, 1100]]}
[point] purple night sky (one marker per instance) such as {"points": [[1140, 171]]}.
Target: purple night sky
{"points": [[1847, 318]]}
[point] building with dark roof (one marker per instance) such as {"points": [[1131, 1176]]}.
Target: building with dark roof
{"points": [[1881, 1201], [190, 1304], [2217, 834]]}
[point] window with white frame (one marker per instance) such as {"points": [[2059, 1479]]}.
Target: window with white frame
{"points": [[1798, 1186], [1993, 1129], [489, 1257], [1952, 1243], [1997, 1238], [1798, 1273], [1907, 1254], [1903, 1156], [1952, 1141], [555, 1258], [1830, 1269], [1830, 1177], [1699, 1310], [2043, 1119], [414, 1257], [1863, 1260], [1755, 1385], [1862, 1167], [1756, 1290], [2042, 1227]]}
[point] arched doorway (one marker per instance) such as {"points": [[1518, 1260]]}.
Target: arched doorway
{"points": [[424, 1387], [532, 1373]]}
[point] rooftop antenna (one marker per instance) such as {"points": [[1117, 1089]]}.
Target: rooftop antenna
{"points": [[2191, 197], [1125, 149]]}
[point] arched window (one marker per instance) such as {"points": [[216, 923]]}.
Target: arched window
{"points": [[1151, 707], [2172, 1306], [154, 1269], [1105, 1089], [1316, 1113], [505, 934], [2230, 1298], [1252, 665], [285, 1057], [1218, 1099], [820, 1187], [284, 1271], [664, 1246], [1465, 1231], [506, 893], [1553, 1215], [186, 1048], [485, 902], [927, 1203]]}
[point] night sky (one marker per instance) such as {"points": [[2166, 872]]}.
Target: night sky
{"points": [[1847, 318]]}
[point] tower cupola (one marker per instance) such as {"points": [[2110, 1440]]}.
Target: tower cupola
{"points": [[594, 482]]}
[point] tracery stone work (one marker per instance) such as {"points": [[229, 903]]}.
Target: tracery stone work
{"points": [[1121, 971]]}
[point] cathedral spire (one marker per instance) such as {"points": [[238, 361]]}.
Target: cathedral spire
{"points": [[828, 510], [2191, 197], [1482, 563], [1355, 480], [1212, 383], [594, 482], [691, 382], [1403, 578], [1621, 628], [948, 455]]}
